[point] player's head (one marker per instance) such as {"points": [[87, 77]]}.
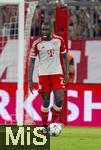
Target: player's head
{"points": [[46, 31]]}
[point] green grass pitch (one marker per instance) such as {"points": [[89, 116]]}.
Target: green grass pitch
{"points": [[77, 138]]}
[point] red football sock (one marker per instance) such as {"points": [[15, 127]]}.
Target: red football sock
{"points": [[44, 116], [55, 114]]}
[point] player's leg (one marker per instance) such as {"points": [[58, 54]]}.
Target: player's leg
{"points": [[45, 107], [58, 88], [44, 91], [57, 107]]}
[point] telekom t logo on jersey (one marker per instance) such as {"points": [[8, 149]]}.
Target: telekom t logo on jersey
{"points": [[51, 52]]}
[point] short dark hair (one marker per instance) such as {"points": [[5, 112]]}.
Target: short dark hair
{"points": [[46, 23]]}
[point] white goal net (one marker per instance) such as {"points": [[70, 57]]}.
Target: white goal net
{"points": [[15, 27]]}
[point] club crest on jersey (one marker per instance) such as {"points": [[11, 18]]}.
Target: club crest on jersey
{"points": [[51, 52]]}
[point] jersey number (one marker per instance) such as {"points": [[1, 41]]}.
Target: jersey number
{"points": [[62, 81]]}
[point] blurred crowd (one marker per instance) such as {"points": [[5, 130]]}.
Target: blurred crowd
{"points": [[84, 22]]}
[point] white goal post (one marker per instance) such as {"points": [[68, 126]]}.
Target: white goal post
{"points": [[20, 94]]}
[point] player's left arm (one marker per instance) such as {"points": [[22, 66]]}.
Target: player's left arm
{"points": [[65, 59], [71, 64], [67, 69]]}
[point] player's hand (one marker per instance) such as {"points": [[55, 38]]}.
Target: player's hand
{"points": [[31, 85], [66, 79]]}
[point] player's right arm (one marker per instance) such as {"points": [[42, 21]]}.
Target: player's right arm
{"points": [[30, 74], [33, 55]]}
